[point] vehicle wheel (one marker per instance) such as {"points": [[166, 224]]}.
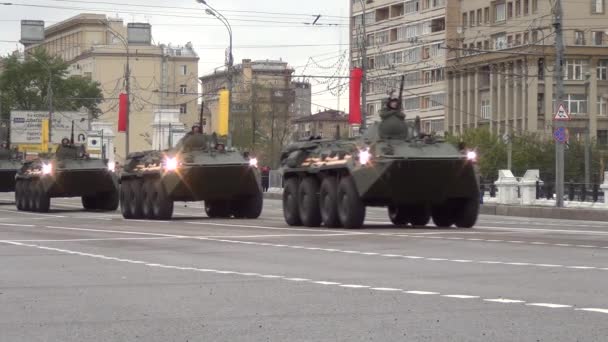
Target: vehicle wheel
{"points": [[44, 199], [19, 194], [125, 200], [291, 212], [136, 198], [25, 197], [147, 196], [249, 207], [217, 209], [418, 215], [35, 191], [328, 202], [443, 215], [162, 205], [90, 203], [398, 215], [350, 207], [467, 212], [31, 198], [308, 202], [109, 200]]}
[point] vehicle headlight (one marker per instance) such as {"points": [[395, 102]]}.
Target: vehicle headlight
{"points": [[47, 169], [171, 164], [364, 156], [112, 166], [253, 162], [472, 156]]}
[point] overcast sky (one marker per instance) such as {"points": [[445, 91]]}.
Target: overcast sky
{"points": [[263, 29]]}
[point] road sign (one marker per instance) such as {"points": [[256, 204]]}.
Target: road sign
{"points": [[561, 135], [562, 113]]}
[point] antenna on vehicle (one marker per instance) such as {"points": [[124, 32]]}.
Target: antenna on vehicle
{"points": [[200, 120], [72, 135], [401, 92]]}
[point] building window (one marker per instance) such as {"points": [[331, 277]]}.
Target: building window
{"points": [[602, 106], [500, 12], [500, 42], [486, 15], [472, 18], [526, 38], [412, 6], [510, 10], [602, 137], [534, 6], [575, 69], [183, 108], [576, 104], [598, 38], [597, 6], [526, 7], [183, 89], [579, 37], [518, 39], [184, 70], [517, 8], [464, 20], [602, 70], [486, 110], [479, 17]]}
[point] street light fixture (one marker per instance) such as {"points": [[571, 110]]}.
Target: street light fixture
{"points": [[229, 61]]}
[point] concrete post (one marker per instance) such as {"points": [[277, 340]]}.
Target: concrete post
{"points": [[507, 187], [528, 187]]}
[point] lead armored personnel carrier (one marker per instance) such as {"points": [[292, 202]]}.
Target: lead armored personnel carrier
{"points": [[199, 168], [392, 165], [9, 164], [67, 173]]}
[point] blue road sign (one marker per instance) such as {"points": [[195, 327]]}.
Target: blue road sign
{"points": [[561, 135]]}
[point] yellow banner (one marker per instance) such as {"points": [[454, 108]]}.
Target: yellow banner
{"points": [[45, 135], [224, 112]]}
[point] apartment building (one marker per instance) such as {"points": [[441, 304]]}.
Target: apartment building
{"points": [[326, 124], [501, 67], [404, 38], [162, 76]]}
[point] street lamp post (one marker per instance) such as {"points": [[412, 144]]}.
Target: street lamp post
{"points": [[363, 53], [229, 61], [587, 133]]}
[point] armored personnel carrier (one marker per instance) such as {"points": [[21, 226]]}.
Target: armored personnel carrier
{"points": [[199, 168], [67, 173], [9, 164], [392, 165]]}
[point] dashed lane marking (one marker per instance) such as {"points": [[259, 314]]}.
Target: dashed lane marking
{"points": [[302, 280]]}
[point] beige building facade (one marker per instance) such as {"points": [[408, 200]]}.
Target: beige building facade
{"points": [[161, 76], [501, 67], [327, 125], [404, 38]]}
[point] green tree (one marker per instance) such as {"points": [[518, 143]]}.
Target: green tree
{"points": [[24, 85], [492, 152]]}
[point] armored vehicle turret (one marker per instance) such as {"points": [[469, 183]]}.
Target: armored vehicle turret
{"points": [[199, 168], [393, 165], [67, 173], [9, 164]]}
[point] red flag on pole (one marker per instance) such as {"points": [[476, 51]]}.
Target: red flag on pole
{"points": [[354, 117], [122, 112]]}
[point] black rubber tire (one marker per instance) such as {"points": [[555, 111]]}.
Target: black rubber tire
{"points": [[398, 215], [25, 186], [162, 204], [249, 207], [443, 215], [90, 203], [351, 209], [125, 203], [109, 201], [308, 202], [147, 195], [44, 204], [136, 198], [328, 202], [291, 213], [31, 196], [217, 209], [467, 212], [418, 215], [19, 194], [36, 194]]}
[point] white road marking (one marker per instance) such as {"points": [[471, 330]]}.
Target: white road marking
{"points": [[388, 289], [605, 311], [460, 296], [16, 225], [546, 230], [504, 300], [424, 293], [353, 286], [30, 213], [100, 239], [275, 228], [549, 305], [297, 279], [326, 283]]}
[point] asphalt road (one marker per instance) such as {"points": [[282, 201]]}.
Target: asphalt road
{"points": [[76, 276]]}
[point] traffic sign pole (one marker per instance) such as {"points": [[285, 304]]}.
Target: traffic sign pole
{"points": [[559, 92]]}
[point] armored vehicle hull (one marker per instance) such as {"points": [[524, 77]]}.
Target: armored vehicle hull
{"points": [[7, 178], [228, 183], [416, 176], [40, 180]]}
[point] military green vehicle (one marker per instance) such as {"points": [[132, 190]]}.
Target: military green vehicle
{"points": [[67, 173], [392, 165], [9, 164], [199, 168]]}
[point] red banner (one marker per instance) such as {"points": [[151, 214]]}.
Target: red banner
{"points": [[122, 112], [354, 116]]}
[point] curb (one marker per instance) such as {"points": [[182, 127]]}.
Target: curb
{"points": [[544, 212]]}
